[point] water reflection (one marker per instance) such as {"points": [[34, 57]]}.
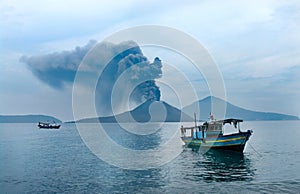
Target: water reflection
{"points": [[131, 140], [225, 166], [220, 166], [138, 181]]}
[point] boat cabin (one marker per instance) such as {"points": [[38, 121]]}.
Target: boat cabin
{"points": [[212, 129]]}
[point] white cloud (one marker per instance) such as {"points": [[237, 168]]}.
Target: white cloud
{"points": [[271, 66]]}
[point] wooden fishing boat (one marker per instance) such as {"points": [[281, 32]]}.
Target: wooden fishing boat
{"points": [[47, 125], [211, 135]]}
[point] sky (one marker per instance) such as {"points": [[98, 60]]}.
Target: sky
{"points": [[255, 44]]}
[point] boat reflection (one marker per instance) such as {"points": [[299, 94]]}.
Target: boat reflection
{"points": [[225, 166]]}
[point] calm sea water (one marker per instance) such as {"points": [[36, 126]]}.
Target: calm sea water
{"points": [[36, 161]]}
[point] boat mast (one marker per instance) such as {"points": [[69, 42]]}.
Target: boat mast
{"points": [[195, 120]]}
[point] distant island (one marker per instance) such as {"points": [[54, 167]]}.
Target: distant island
{"points": [[173, 114], [233, 111], [27, 119], [141, 113]]}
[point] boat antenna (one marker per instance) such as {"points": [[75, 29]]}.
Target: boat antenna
{"points": [[211, 116], [195, 117]]}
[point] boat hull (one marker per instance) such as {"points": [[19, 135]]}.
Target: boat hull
{"points": [[49, 127], [234, 142]]}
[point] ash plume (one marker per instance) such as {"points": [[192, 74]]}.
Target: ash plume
{"points": [[140, 66], [59, 68]]}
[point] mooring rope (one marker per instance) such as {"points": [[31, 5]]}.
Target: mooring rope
{"points": [[254, 149]]}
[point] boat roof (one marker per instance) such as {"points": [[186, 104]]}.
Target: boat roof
{"points": [[232, 121]]}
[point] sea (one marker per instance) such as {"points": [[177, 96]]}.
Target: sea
{"points": [[36, 160]]}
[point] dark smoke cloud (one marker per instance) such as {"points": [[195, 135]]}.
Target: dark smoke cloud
{"points": [[140, 66], [59, 68]]}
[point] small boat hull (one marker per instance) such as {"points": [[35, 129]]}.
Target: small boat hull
{"points": [[41, 126], [234, 142]]}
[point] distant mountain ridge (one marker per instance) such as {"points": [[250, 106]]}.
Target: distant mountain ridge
{"points": [[173, 114], [232, 111], [159, 110], [27, 119], [164, 112]]}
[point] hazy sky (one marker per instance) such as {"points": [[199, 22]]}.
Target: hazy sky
{"points": [[256, 45]]}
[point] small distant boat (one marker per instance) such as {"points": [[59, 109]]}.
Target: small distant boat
{"points": [[47, 125], [211, 135]]}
